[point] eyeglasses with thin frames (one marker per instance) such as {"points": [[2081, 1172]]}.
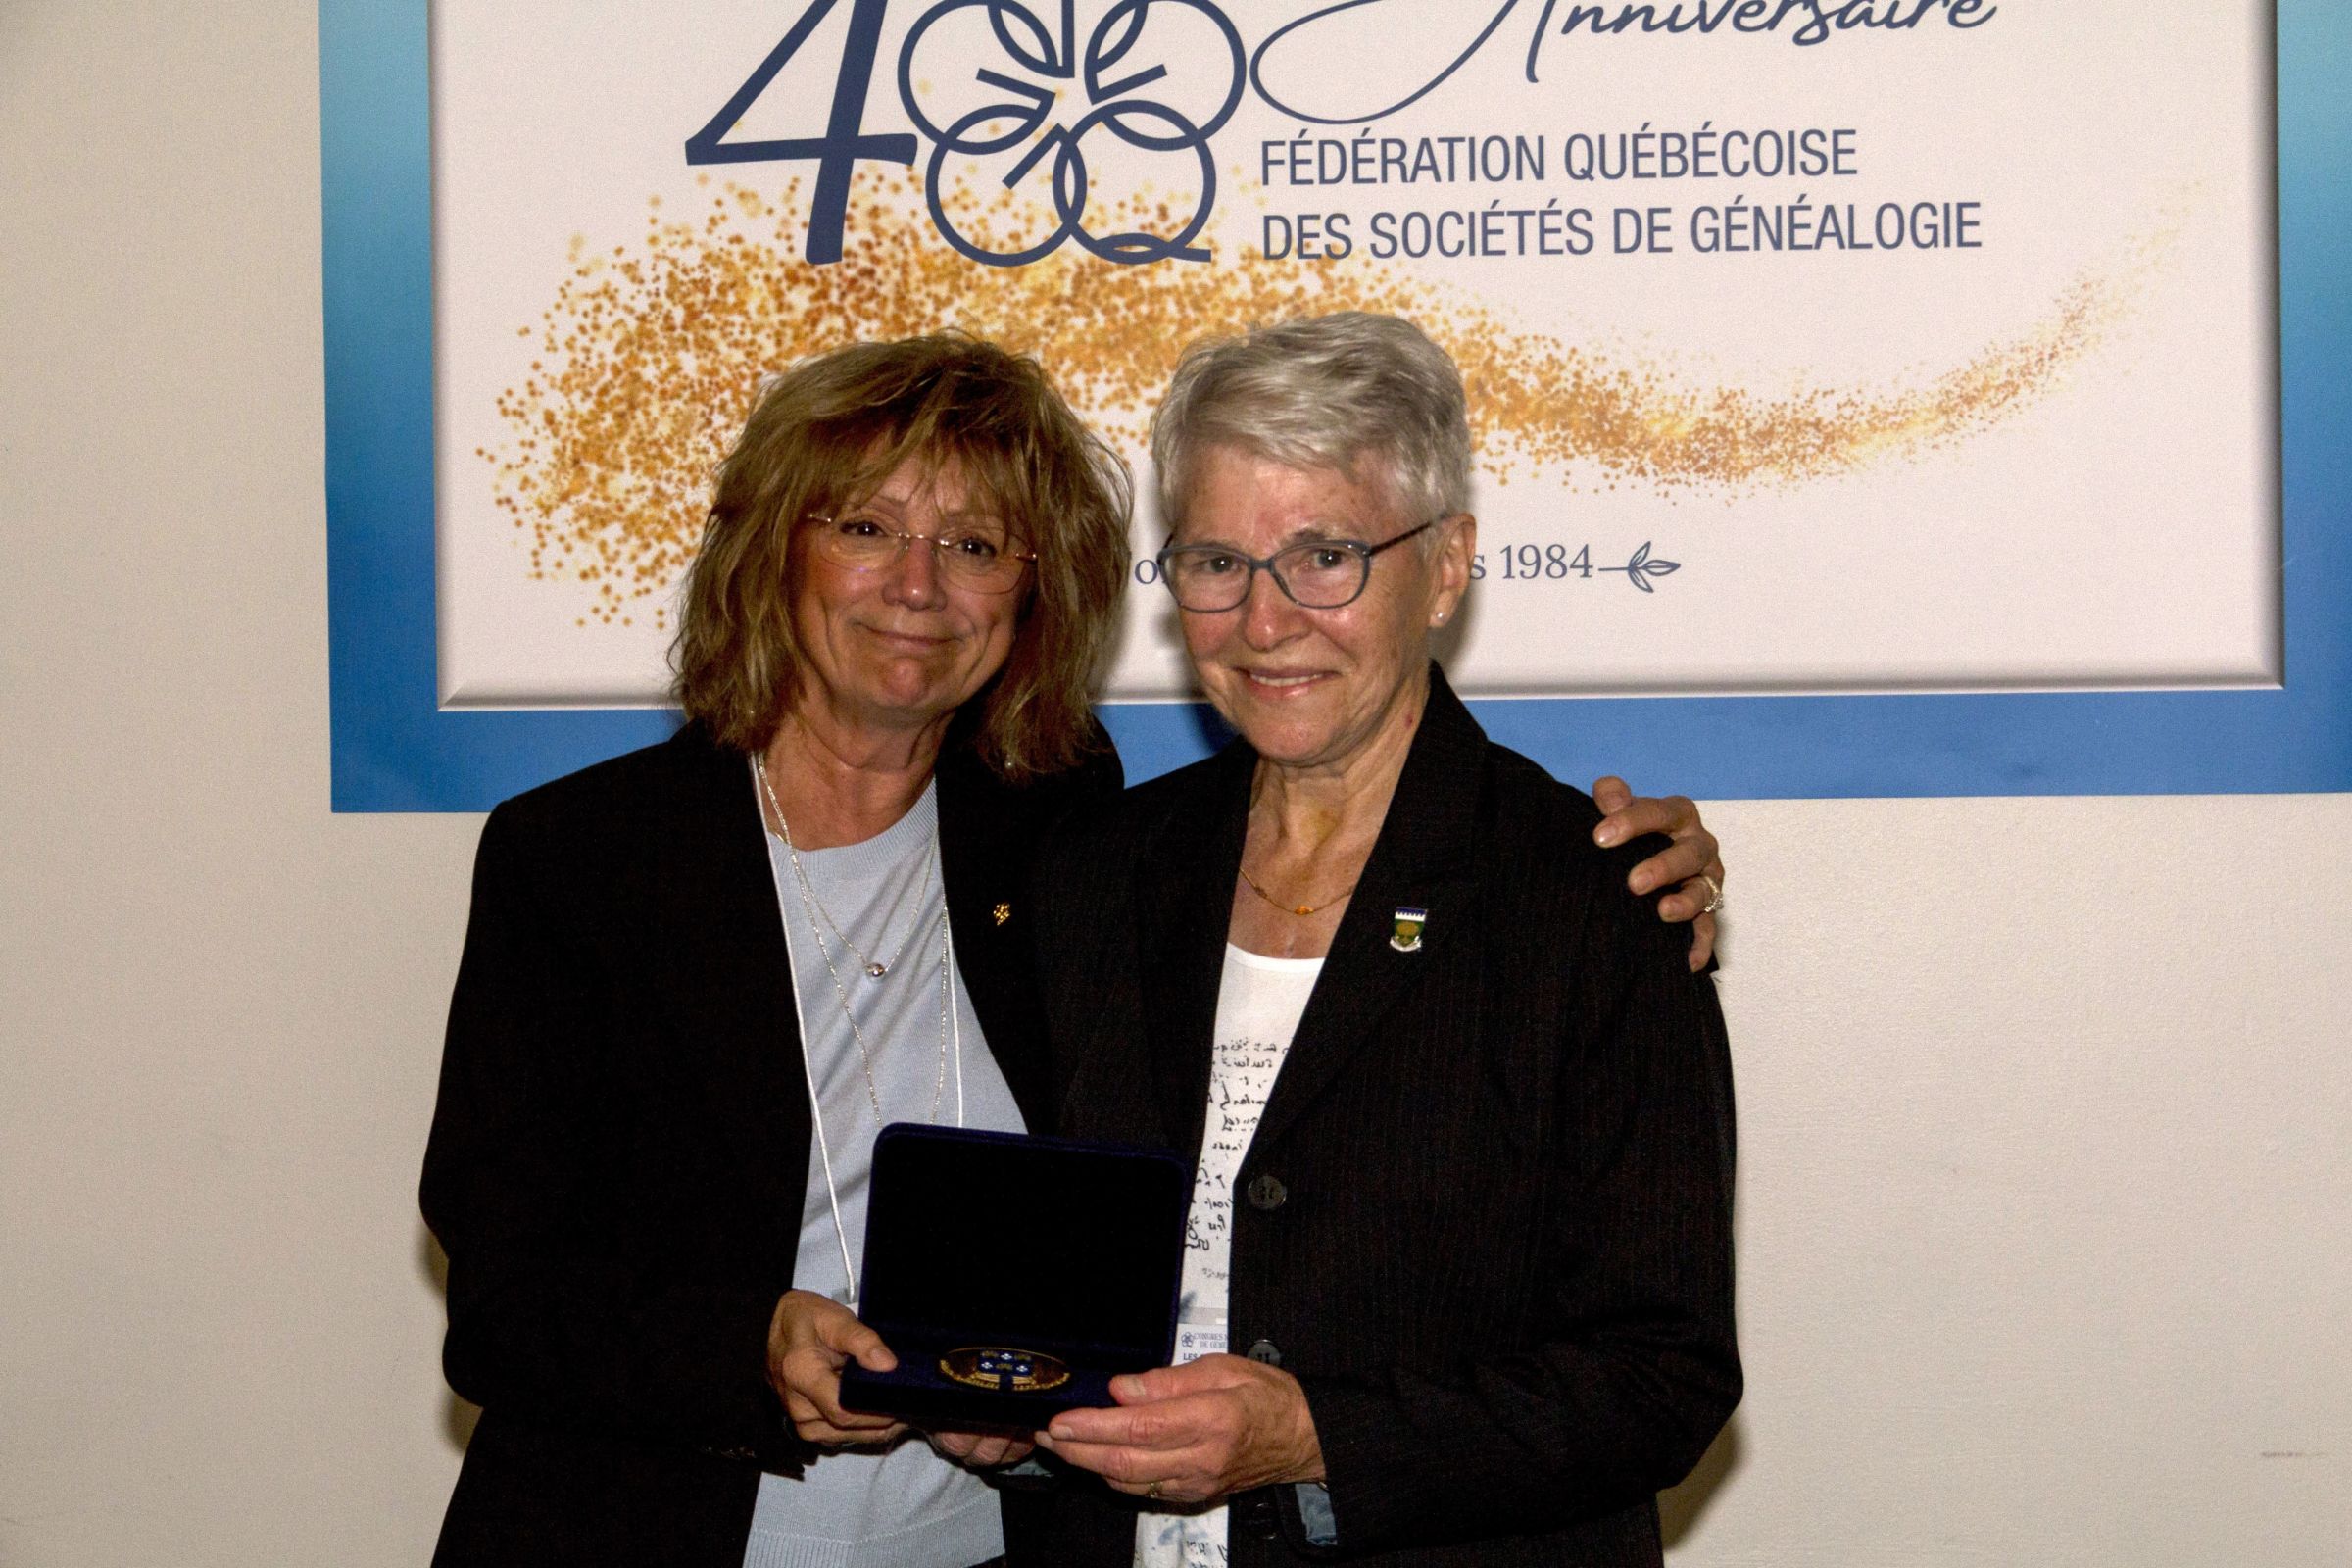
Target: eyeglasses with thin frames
{"points": [[1313, 574], [864, 539]]}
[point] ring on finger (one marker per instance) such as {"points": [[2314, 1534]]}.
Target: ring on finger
{"points": [[1714, 894], [1152, 1492]]}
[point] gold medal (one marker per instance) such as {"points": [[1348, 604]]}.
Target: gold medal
{"points": [[1001, 1369]]}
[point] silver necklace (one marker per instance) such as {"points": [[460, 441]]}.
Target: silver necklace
{"points": [[811, 906], [875, 968]]}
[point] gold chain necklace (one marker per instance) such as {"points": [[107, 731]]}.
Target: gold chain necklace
{"points": [[1300, 909]]}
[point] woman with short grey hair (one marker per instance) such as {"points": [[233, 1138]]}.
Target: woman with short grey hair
{"points": [[1457, 1281]]}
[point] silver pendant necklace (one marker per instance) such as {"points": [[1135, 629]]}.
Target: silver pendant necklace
{"points": [[812, 906], [875, 968]]}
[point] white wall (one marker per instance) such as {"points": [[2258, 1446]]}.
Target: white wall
{"points": [[2046, 1108]]}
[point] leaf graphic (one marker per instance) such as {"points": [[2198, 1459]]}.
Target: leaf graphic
{"points": [[1637, 580], [1662, 569], [1639, 556]]}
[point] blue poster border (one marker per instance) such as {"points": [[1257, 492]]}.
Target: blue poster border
{"points": [[395, 749]]}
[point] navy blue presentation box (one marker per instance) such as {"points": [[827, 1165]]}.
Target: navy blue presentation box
{"points": [[1021, 1262]]}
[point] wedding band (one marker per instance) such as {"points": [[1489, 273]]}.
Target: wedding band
{"points": [[1714, 894], [1152, 1492]]}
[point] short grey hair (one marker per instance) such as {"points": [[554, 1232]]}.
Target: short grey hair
{"points": [[1322, 392]]}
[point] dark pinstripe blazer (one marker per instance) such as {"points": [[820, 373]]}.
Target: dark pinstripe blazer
{"points": [[1499, 1259]]}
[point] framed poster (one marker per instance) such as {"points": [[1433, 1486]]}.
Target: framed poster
{"points": [[1886, 397]]}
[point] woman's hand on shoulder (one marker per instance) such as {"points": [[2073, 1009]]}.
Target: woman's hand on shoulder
{"points": [[1195, 1433], [1691, 864], [811, 1338]]}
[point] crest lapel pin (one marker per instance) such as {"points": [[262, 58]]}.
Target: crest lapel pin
{"points": [[1405, 934]]}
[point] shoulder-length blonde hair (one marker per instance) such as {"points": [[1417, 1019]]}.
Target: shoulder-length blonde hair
{"points": [[826, 434]]}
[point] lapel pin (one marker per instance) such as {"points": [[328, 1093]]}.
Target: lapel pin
{"points": [[1003, 912], [1406, 935]]}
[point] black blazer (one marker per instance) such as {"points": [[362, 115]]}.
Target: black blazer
{"points": [[621, 1144], [1489, 1220]]}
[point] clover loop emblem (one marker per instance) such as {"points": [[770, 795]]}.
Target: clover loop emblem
{"points": [[1111, 92]]}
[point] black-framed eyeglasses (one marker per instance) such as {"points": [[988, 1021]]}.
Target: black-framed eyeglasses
{"points": [[1313, 574], [973, 556]]}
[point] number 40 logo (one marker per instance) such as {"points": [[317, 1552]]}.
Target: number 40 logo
{"points": [[1120, 92]]}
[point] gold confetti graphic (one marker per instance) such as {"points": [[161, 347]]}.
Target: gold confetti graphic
{"points": [[649, 357]]}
